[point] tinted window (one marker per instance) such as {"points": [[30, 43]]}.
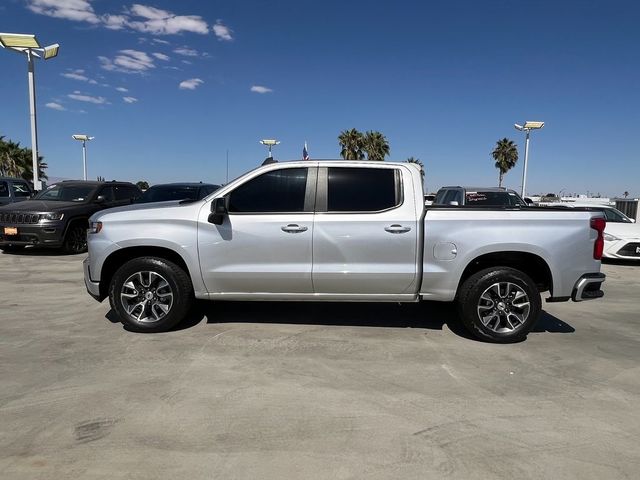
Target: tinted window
{"points": [[452, 196], [440, 197], [493, 198], [21, 190], [125, 192], [165, 193], [277, 191], [67, 193], [107, 193], [4, 189], [614, 216], [361, 189]]}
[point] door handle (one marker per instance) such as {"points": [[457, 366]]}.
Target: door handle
{"points": [[395, 228], [294, 228]]}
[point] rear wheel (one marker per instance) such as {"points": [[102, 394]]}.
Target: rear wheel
{"points": [[75, 241], [150, 294], [499, 304]]}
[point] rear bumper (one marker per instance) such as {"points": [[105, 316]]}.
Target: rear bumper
{"points": [[93, 288], [49, 235], [588, 287]]}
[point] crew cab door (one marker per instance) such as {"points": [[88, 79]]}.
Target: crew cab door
{"points": [[365, 236], [263, 246]]}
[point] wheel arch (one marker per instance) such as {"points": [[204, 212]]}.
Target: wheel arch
{"points": [[118, 258], [529, 263]]}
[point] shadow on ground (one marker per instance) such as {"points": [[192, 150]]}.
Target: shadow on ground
{"points": [[40, 252], [429, 315], [620, 261]]}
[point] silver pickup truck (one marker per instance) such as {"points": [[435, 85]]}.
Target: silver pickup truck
{"points": [[341, 231]]}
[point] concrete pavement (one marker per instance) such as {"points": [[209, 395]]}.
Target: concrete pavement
{"points": [[311, 391]]}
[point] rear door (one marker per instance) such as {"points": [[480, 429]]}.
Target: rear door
{"points": [[263, 246], [365, 231]]}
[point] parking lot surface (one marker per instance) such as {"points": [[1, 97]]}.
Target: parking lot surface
{"points": [[311, 391]]}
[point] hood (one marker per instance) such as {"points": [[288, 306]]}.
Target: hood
{"points": [[147, 210], [623, 230], [40, 206]]}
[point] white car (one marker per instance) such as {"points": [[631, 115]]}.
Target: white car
{"points": [[621, 235]]}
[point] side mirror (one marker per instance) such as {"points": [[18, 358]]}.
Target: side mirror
{"points": [[218, 211], [101, 199], [453, 203]]}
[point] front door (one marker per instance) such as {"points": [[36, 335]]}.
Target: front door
{"points": [[263, 247]]}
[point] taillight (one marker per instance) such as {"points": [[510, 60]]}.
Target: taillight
{"points": [[598, 225]]}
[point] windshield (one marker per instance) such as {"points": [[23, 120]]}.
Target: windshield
{"points": [[67, 193], [166, 193], [508, 199]]}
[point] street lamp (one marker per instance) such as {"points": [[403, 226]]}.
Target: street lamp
{"points": [[269, 143], [527, 127], [28, 45], [84, 139]]}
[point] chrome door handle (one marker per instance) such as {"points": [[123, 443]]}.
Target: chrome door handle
{"points": [[293, 228], [395, 228]]}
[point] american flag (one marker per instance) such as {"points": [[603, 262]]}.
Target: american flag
{"points": [[305, 152]]}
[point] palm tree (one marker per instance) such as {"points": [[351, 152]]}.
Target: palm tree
{"points": [[506, 156], [376, 146], [351, 143], [16, 161], [418, 162]]}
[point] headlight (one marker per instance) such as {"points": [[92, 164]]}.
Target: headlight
{"points": [[610, 238], [53, 216], [95, 227]]}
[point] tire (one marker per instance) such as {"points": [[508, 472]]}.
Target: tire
{"points": [[499, 305], [150, 294], [75, 240], [12, 248]]}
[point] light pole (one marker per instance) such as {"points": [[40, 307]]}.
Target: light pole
{"points": [[527, 127], [28, 45], [84, 139], [269, 143]]}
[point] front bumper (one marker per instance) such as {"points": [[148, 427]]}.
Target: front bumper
{"points": [[624, 249], [588, 287], [44, 235], [93, 288]]}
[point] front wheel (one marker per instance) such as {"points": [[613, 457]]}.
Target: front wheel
{"points": [[150, 294], [499, 304], [75, 241]]}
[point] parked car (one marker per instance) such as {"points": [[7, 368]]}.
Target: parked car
{"points": [[177, 191], [621, 235], [478, 196], [14, 190], [429, 198], [341, 231], [58, 216]]}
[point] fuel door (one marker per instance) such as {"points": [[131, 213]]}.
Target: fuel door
{"points": [[445, 251]]}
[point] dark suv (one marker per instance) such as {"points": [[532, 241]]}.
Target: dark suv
{"points": [[14, 190], [58, 216]]}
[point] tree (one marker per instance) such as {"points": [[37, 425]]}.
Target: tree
{"points": [[376, 146], [419, 163], [142, 185], [351, 142], [506, 156], [16, 161]]}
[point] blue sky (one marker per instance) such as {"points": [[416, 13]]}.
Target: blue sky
{"points": [[442, 80]]}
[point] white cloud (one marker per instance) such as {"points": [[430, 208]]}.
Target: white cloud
{"points": [[122, 89], [115, 22], [163, 22], [76, 10], [130, 99], [191, 84], [223, 32], [76, 75], [157, 40], [161, 56], [187, 52], [55, 106], [261, 89], [128, 61], [81, 97]]}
